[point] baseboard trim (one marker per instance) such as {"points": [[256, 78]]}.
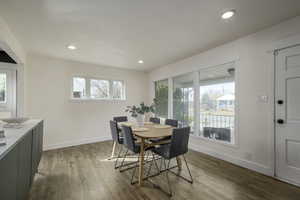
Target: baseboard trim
{"points": [[237, 161], [76, 143]]}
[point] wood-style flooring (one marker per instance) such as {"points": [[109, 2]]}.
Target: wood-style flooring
{"points": [[83, 173]]}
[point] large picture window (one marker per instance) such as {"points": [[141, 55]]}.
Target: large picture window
{"points": [[217, 104], [204, 100], [183, 100], [161, 97]]}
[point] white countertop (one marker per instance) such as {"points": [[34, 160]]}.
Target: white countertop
{"points": [[13, 135]]}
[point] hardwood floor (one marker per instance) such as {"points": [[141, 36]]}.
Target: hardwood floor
{"points": [[83, 173]]}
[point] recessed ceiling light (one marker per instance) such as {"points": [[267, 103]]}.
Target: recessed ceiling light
{"points": [[228, 14], [140, 61], [71, 47]]}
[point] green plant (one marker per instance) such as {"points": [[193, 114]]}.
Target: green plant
{"points": [[141, 109]]}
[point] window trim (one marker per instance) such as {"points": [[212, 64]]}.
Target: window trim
{"points": [[88, 89], [197, 84], [220, 81]]}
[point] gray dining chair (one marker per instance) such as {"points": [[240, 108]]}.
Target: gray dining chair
{"points": [[116, 139], [131, 145], [177, 147], [117, 120], [155, 120]]}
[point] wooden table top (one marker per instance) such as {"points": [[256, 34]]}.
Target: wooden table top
{"points": [[154, 131], [151, 130]]}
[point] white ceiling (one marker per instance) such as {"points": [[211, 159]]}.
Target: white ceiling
{"points": [[120, 32]]}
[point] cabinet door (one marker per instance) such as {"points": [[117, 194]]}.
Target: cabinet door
{"points": [[37, 147], [40, 140], [8, 175], [24, 167], [34, 153]]}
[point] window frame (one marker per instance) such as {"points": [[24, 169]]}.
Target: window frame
{"points": [[168, 97], [10, 105], [197, 84], [88, 89], [219, 81]]}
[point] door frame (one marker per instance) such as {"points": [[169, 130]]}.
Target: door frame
{"points": [[274, 49]]}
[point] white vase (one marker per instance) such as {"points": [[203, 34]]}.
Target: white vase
{"points": [[140, 119], [148, 116]]}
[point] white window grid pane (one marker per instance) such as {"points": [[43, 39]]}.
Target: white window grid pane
{"points": [[118, 90], [79, 87], [161, 95], [217, 111], [99, 89]]}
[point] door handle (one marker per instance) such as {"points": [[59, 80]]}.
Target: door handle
{"points": [[280, 102], [280, 121]]}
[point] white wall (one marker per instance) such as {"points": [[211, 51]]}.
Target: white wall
{"points": [[10, 44], [255, 66], [48, 91]]}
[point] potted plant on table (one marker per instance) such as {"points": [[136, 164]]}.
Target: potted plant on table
{"points": [[139, 112]]}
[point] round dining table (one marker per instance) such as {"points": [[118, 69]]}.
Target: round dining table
{"points": [[146, 132]]}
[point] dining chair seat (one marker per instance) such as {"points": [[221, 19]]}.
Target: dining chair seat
{"points": [[163, 151], [155, 140], [177, 147]]}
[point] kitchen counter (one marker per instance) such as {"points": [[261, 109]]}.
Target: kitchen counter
{"points": [[20, 158], [13, 135]]}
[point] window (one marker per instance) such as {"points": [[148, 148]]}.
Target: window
{"points": [[91, 88], [99, 89], [7, 92], [204, 100], [217, 100], [118, 90], [79, 87], [183, 100], [3, 92], [161, 97]]}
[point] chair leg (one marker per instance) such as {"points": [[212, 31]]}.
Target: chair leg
{"points": [[178, 173], [123, 160], [113, 150], [167, 175], [116, 162], [150, 166], [187, 166], [158, 170], [133, 173]]}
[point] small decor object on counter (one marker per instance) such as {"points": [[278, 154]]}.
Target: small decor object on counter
{"points": [[14, 122], [138, 112], [2, 137]]}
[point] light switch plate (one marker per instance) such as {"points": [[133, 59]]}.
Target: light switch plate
{"points": [[263, 98]]}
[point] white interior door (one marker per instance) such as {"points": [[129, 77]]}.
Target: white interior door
{"points": [[7, 93], [288, 114]]}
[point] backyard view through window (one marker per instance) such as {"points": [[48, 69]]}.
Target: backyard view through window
{"points": [[85, 88], [99, 89], [118, 90], [183, 100], [79, 87], [2, 87], [203, 100], [217, 102], [161, 96]]}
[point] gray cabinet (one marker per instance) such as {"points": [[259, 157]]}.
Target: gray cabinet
{"points": [[8, 175], [19, 165], [37, 148], [24, 167]]}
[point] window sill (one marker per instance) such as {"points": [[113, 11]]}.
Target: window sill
{"points": [[215, 141], [93, 100]]}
